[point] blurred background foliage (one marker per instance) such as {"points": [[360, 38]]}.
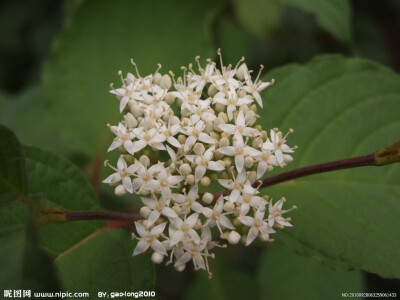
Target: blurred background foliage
{"points": [[58, 59]]}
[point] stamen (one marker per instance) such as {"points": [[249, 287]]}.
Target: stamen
{"points": [[137, 71], [259, 73]]}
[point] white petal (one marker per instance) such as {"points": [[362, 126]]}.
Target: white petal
{"points": [[169, 212], [141, 230], [228, 150], [176, 237], [205, 138], [212, 165], [141, 247], [239, 162], [199, 172], [191, 221], [158, 247], [138, 145], [157, 230], [246, 220], [253, 232], [154, 215], [224, 221], [228, 128], [127, 183], [114, 145]]}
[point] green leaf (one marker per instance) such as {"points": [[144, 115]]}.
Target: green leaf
{"points": [[332, 15], [64, 187], [24, 263], [258, 16], [103, 262], [12, 238], [101, 39], [228, 282], [13, 183], [28, 116], [340, 108], [283, 275]]}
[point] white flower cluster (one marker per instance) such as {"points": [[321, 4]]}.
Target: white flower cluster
{"points": [[180, 137]]}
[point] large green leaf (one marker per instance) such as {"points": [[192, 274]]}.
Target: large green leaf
{"points": [[27, 115], [13, 183], [283, 275], [259, 16], [24, 264], [101, 39], [340, 108], [230, 281], [104, 262], [65, 187], [332, 15]]}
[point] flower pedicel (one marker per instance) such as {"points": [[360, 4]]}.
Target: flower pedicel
{"points": [[178, 136]]}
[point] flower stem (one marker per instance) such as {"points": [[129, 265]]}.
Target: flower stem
{"points": [[381, 157]]}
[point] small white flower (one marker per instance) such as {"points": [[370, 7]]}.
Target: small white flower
{"points": [[231, 100], [256, 87], [239, 150], [203, 163], [239, 185], [240, 127], [189, 200], [152, 138], [181, 229], [257, 226], [275, 214], [195, 133], [277, 145], [149, 239], [124, 138], [215, 216], [159, 207], [123, 172]]}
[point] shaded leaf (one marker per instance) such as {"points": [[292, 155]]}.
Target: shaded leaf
{"points": [[283, 275], [65, 187], [28, 116], [259, 16], [104, 262], [24, 264], [340, 108], [332, 15], [13, 181]]}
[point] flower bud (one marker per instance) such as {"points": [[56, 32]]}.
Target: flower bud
{"points": [[252, 176], [229, 206], [120, 190], [190, 179], [242, 72], [144, 160], [157, 258], [223, 142], [208, 198], [212, 90], [185, 169], [205, 181], [130, 121], [199, 148], [287, 158], [165, 82], [157, 78], [248, 162], [233, 238], [145, 211]]}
